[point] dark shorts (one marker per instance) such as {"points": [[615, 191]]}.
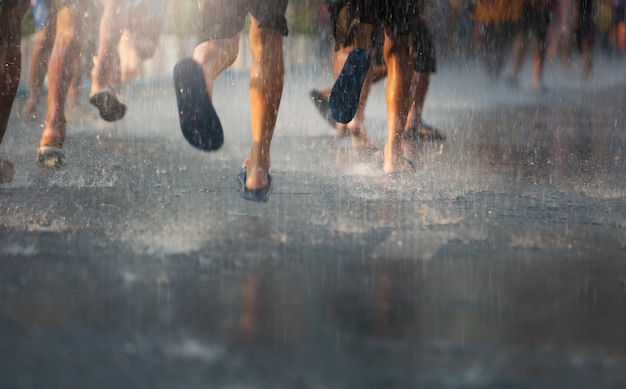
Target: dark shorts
{"points": [[6, 5], [397, 16], [586, 23], [345, 18], [536, 20], [620, 14], [221, 19]]}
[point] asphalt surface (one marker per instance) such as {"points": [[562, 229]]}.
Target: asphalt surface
{"points": [[500, 262]]}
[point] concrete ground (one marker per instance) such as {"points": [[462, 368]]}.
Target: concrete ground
{"points": [[500, 262]]}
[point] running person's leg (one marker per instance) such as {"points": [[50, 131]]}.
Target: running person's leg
{"points": [[520, 43], [424, 64], [66, 48], [540, 23], [586, 32], [219, 51], [11, 15], [266, 85], [399, 73], [44, 39], [105, 73]]}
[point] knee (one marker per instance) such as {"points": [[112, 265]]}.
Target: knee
{"points": [[395, 47], [219, 53], [66, 28]]}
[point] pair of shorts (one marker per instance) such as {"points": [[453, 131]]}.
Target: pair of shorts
{"points": [[222, 19], [6, 5], [345, 19], [398, 17], [537, 20], [586, 17]]}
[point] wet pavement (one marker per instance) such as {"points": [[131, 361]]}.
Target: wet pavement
{"points": [[500, 262]]}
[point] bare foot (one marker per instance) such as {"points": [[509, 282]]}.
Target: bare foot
{"points": [[53, 136], [7, 170], [394, 161], [256, 178]]}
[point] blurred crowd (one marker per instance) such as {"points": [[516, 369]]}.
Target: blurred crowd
{"points": [[459, 27]]}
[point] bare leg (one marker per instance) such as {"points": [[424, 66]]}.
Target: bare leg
{"points": [[106, 70], [416, 130], [266, 85], [38, 69], [519, 51], [129, 59], [215, 57], [74, 110], [566, 51], [399, 73], [539, 56], [10, 51], [66, 48], [419, 88], [587, 59]]}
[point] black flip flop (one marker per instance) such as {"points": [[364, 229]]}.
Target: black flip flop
{"points": [[198, 120], [258, 195], [345, 95]]}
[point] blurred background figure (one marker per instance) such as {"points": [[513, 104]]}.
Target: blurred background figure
{"points": [[11, 14], [561, 32], [620, 26], [177, 22], [535, 20], [585, 33], [496, 24]]}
